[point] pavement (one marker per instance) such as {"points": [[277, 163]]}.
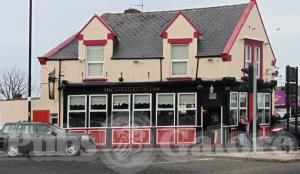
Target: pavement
{"points": [[278, 156], [246, 154]]}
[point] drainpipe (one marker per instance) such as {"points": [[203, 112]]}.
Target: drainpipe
{"points": [[59, 93], [161, 68], [197, 66]]}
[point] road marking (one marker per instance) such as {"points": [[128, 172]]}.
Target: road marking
{"points": [[182, 161], [206, 159]]}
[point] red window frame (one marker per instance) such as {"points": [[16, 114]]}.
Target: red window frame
{"points": [[253, 44]]}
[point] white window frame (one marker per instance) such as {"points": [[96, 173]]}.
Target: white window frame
{"points": [[234, 108], [133, 109], [97, 110], [243, 108], [257, 59], [187, 109], [56, 117], [94, 62], [165, 109], [120, 110], [179, 61], [248, 55], [76, 111], [264, 108]]}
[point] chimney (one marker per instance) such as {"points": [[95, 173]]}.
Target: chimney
{"points": [[131, 11]]}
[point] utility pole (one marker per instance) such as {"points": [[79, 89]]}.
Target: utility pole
{"points": [[29, 60]]}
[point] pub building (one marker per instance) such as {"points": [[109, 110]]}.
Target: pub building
{"points": [[159, 78]]}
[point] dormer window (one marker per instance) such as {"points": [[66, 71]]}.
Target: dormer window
{"points": [[95, 61], [179, 60]]}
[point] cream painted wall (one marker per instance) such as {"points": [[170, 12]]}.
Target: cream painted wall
{"points": [[16, 110], [252, 29], [212, 68]]}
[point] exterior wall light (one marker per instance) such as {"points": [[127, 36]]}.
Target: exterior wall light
{"points": [[211, 89], [51, 85]]}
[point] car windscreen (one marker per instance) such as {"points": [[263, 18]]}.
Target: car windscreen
{"points": [[8, 128]]}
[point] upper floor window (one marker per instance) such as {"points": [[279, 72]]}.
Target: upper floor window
{"points": [[95, 61], [179, 60], [253, 55]]}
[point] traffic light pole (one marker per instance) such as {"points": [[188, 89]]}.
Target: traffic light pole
{"points": [[254, 107], [29, 61], [296, 101]]}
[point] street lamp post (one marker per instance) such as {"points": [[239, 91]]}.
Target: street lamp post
{"points": [[29, 61]]}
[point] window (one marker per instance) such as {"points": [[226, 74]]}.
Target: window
{"points": [[8, 129], [233, 116], [98, 111], [25, 129], [243, 104], [95, 61], [43, 130], [187, 109], [142, 110], [257, 58], [77, 112], [179, 60], [264, 108], [248, 54], [121, 110], [238, 107], [253, 55], [54, 118], [165, 110]]}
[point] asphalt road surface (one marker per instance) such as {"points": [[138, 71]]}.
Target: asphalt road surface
{"points": [[157, 163]]}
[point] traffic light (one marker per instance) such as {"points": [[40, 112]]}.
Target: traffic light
{"points": [[248, 77]]}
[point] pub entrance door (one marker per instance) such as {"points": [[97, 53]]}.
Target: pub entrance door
{"points": [[212, 128]]}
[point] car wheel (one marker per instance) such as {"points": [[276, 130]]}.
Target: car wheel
{"points": [[72, 149], [285, 142], [12, 150]]}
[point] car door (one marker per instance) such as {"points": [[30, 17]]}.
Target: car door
{"points": [[48, 137], [25, 135]]}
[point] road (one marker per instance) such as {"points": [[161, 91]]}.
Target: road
{"points": [[157, 163]]}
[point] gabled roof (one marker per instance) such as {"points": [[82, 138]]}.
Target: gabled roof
{"points": [[138, 34]]}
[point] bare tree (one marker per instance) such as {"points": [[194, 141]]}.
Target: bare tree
{"points": [[13, 84]]}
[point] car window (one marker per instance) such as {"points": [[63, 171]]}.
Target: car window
{"points": [[25, 129], [43, 130], [8, 129]]}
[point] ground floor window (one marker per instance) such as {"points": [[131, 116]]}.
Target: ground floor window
{"points": [[54, 118], [142, 110], [98, 111], [264, 108], [187, 109], [77, 111], [120, 110], [132, 110], [238, 107], [165, 110]]}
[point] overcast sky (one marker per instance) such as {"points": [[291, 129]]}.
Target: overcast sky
{"points": [[55, 20]]}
